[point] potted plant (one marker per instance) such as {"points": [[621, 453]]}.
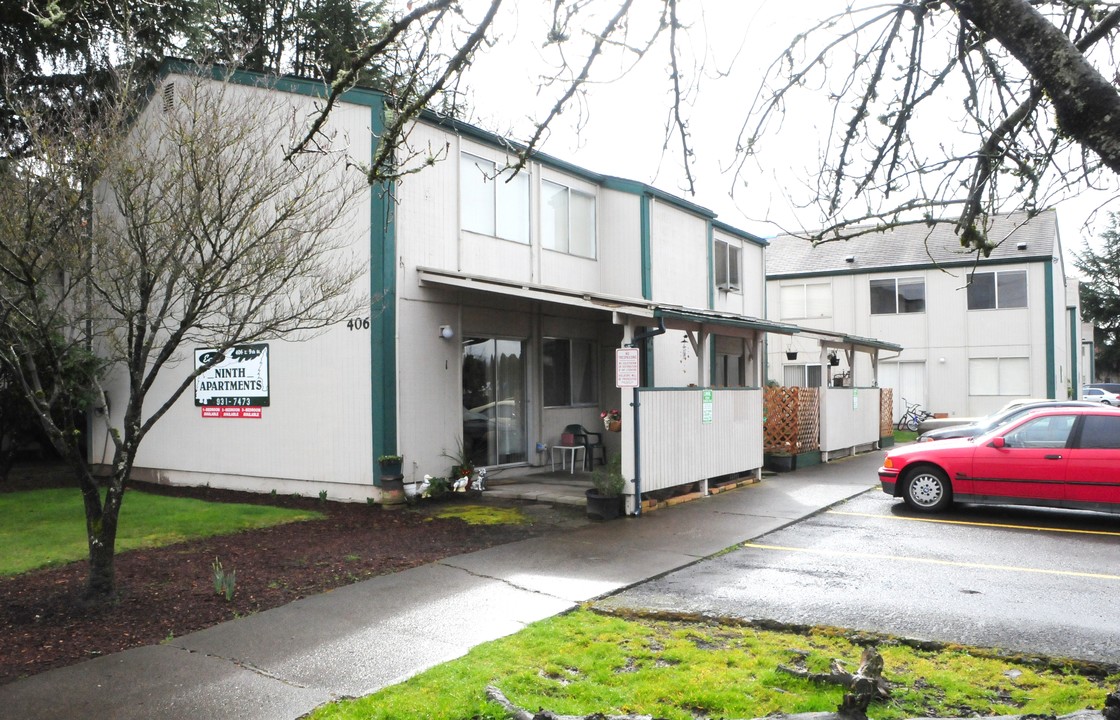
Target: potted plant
{"points": [[612, 420], [462, 467], [390, 464], [604, 498], [791, 354], [833, 360]]}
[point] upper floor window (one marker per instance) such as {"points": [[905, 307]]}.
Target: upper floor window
{"points": [[1003, 289], [806, 300], [726, 259], [493, 203], [568, 371], [567, 220], [892, 296]]}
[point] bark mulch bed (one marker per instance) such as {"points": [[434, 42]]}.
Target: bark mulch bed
{"points": [[169, 591]]}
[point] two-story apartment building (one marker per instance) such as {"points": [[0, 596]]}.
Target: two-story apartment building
{"points": [[498, 302], [976, 331]]}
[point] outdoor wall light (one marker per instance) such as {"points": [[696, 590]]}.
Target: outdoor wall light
{"points": [[446, 332]]}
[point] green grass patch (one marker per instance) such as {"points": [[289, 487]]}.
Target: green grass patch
{"points": [[904, 436], [584, 663], [47, 527], [483, 515]]}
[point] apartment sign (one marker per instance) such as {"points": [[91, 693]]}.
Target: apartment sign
{"points": [[237, 378]]}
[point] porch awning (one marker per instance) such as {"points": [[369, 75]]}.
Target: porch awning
{"points": [[532, 291], [712, 317], [860, 343]]}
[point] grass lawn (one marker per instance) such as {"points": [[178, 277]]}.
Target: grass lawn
{"points": [[584, 662], [47, 527], [904, 436]]}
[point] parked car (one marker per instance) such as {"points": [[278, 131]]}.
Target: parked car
{"points": [[997, 419], [939, 423], [1111, 387], [1063, 457], [1100, 395]]}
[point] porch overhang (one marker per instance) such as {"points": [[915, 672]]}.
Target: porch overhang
{"points": [[532, 291], [685, 318], [842, 340]]}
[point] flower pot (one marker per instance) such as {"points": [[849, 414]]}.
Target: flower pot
{"points": [[834, 361], [603, 507], [392, 490], [781, 462], [390, 468], [791, 356], [615, 426]]}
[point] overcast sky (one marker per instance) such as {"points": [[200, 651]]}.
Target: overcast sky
{"points": [[619, 128]]}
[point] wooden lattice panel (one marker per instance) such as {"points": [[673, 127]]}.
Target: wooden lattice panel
{"points": [[792, 419], [886, 412]]}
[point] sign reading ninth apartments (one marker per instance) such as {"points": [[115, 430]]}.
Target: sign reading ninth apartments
{"points": [[236, 386]]}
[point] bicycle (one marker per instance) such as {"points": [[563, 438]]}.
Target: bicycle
{"points": [[913, 416]]}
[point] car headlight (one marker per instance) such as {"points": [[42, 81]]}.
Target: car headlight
{"points": [[924, 438]]}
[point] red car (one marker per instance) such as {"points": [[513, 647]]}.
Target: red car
{"points": [[1066, 457]]}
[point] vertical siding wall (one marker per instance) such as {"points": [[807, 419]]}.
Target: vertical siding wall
{"points": [[678, 447], [849, 424]]}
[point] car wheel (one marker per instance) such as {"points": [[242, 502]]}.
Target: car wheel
{"points": [[927, 489]]}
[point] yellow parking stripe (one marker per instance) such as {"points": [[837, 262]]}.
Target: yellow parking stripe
{"points": [[931, 561], [978, 524]]}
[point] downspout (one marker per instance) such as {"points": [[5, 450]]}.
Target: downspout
{"points": [[636, 404], [1051, 361]]}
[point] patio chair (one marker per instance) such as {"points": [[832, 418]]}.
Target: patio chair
{"points": [[590, 441]]}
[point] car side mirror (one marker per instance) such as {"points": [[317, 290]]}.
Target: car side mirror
{"points": [[997, 443]]}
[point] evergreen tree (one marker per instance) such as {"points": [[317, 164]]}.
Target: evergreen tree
{"points": [[1100, 297]]}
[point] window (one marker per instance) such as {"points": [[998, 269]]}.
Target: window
{"points": [[806, 300], [891, 296], [726, 259], [1051, 431], [999, 376], [731, 367], [1100, 432], [568, 372], [990, 290], [801, 375], [567, 220], [493, 203]]}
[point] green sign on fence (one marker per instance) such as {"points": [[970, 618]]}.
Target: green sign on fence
{"points": [[707, 406]]}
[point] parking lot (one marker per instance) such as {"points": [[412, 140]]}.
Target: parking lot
{"points": [[1028, 580]]}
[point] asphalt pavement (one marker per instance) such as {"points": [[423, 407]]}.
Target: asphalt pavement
{"points": [[355, 640]]}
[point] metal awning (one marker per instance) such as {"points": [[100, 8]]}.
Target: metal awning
{"points": [[532, 291], [714, 317], [860, 343]]}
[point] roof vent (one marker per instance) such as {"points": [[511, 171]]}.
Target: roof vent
{"points": [[850, 259], [1022, 246]]}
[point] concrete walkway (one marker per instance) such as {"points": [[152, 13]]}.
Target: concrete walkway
{"points": [[355, 640]]}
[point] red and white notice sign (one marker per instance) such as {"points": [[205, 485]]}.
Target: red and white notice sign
{"points": [[242, 412]]}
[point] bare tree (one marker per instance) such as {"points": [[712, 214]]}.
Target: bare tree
{"points": [[202, 234], [942, 107]]}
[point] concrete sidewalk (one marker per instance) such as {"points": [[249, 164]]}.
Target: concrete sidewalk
{"points": [[355, 640]]}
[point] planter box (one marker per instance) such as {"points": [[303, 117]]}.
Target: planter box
{"points": [[603, 507], [781, 463]]}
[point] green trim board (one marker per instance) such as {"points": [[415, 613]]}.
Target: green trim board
{"points": [[1050, 359], [1074, 351], [383, 311], [646, 220]]}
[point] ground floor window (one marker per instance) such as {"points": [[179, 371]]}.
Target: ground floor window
{"points": [[494, 401], [801, 375], [999, 376], [568, 372]]}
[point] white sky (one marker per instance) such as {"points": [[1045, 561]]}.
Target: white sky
{"points": [[623, 121]]}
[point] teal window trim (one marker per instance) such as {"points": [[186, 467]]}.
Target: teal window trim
{"points": [[1051, 390], [383, 310], [647, 253]]}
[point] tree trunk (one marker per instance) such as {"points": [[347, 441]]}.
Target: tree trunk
{"points": [[1087, 105], [101, 535]]}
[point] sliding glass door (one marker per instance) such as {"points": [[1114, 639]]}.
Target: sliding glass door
{"points": [[494, 400]]}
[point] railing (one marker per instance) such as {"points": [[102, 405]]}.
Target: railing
{"points": [[685, 440]]}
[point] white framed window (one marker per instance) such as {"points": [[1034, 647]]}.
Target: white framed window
{"points": [[999, 376], [802, 375], [806, 300], [491, 202], [1002, 289], [725, 256], [567, 220], [893, 296], [568, 372]]}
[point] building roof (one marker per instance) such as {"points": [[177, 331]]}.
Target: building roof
{"points": [[1017, 237]]}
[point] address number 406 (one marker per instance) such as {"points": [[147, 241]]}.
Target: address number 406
{"points": [[358, 323]]}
